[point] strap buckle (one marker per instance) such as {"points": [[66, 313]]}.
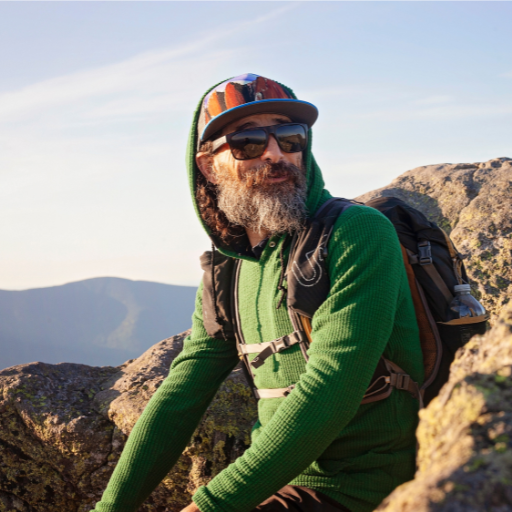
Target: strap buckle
{"points": [[288, 340], [281, 343], [401, 381], [277, 346], [289, 390], [424, 253]]}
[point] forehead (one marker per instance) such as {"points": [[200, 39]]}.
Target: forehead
{"points": [[254, 121]]}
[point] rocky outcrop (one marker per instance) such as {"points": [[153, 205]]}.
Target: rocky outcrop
{"points": [[63, 427], [465, 435], [473, 203]]}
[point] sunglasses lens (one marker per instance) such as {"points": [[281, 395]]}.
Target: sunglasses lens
{"points": [[248, 144], [291, 138]]}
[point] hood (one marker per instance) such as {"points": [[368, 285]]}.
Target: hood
{"points": [[316, 193]]}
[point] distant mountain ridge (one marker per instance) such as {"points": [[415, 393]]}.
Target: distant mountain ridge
{"points": [[101, 321]]}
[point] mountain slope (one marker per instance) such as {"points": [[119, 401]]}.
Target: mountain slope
{"points": [[102, 321]]}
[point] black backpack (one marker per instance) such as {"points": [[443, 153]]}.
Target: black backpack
{"points": [[433, 268]]}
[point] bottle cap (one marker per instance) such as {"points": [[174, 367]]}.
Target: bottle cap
{"points": [[462, 288]]}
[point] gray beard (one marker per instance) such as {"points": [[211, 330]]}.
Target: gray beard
{"points": [[276, 208]]}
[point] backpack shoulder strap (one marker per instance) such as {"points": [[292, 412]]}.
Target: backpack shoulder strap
{"points": [[430, 339], [306, 274], [334, 207], [218, 270]]}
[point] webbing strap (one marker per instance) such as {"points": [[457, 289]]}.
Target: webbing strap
{"points": [[397, 379], [273, 393], [401, 380], [431, 270], [254, 348], [439, 282], [456, 257], [268, 348]]}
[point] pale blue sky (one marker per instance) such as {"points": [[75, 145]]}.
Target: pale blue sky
{"points": [[96, 100]]}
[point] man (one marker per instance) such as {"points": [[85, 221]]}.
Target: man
{"points": [[255, 182]]}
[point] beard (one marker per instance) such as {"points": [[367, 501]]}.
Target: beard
{"points": [[253, 203]]}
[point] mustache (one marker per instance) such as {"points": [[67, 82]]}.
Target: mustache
{"points": [[257, 175]]}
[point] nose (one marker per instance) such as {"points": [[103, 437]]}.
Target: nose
{"points": [[272, 153]]}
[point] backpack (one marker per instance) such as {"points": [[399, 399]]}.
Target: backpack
{"points": [[433, 267]]}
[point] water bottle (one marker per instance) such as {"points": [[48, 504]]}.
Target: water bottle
{"points": [[465, 307]]}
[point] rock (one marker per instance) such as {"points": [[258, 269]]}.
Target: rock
{"points": [[63, 427], [473, 203], [465, 434]]}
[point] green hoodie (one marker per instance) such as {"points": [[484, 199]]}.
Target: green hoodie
{"points": [[320, 436]]}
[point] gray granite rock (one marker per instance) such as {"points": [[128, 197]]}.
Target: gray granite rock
{"points": [[465, 434], [63, 427]]}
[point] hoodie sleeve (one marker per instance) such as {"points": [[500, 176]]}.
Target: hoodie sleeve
{"points": [[350, 332], [170, 418]]}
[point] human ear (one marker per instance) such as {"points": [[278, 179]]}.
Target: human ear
{"points": [[205, 164]]}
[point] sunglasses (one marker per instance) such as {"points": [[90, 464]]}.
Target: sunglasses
{"points": [[251, 143]]}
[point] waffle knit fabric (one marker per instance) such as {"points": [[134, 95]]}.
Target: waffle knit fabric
{"points": [[320, 436]]}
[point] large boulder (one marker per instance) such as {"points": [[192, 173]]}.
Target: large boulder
{"points": [[473, 203], [63, 427], [465, 434]]}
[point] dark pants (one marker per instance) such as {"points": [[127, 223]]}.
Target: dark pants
{"points": [[293, 498]]}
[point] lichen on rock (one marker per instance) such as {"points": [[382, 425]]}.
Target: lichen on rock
{"points": [[63, 428], [465, 434]]}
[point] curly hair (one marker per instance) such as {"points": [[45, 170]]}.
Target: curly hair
{"points": [[206, 197]]}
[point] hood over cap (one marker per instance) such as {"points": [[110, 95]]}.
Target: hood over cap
{"points": [[239, 97]]}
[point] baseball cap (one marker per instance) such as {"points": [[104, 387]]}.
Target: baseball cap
{"points": [[245, 95]]}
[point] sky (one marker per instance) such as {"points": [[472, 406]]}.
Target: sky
{"points": [[96, 100]]}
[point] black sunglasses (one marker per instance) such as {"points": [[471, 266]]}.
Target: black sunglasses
{"points": [[251, 143]]}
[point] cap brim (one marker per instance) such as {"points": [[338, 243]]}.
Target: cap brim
{"points": [[297, 110]]}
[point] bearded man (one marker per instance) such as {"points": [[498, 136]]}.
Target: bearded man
{"points": [[315, 447]]}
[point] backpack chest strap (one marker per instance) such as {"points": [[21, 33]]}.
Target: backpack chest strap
{"points": [[268, 348], [273, 393], [380, 388]]}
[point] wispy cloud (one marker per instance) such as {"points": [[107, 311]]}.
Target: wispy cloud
{"points": [[155, 81], [156, 73]]}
